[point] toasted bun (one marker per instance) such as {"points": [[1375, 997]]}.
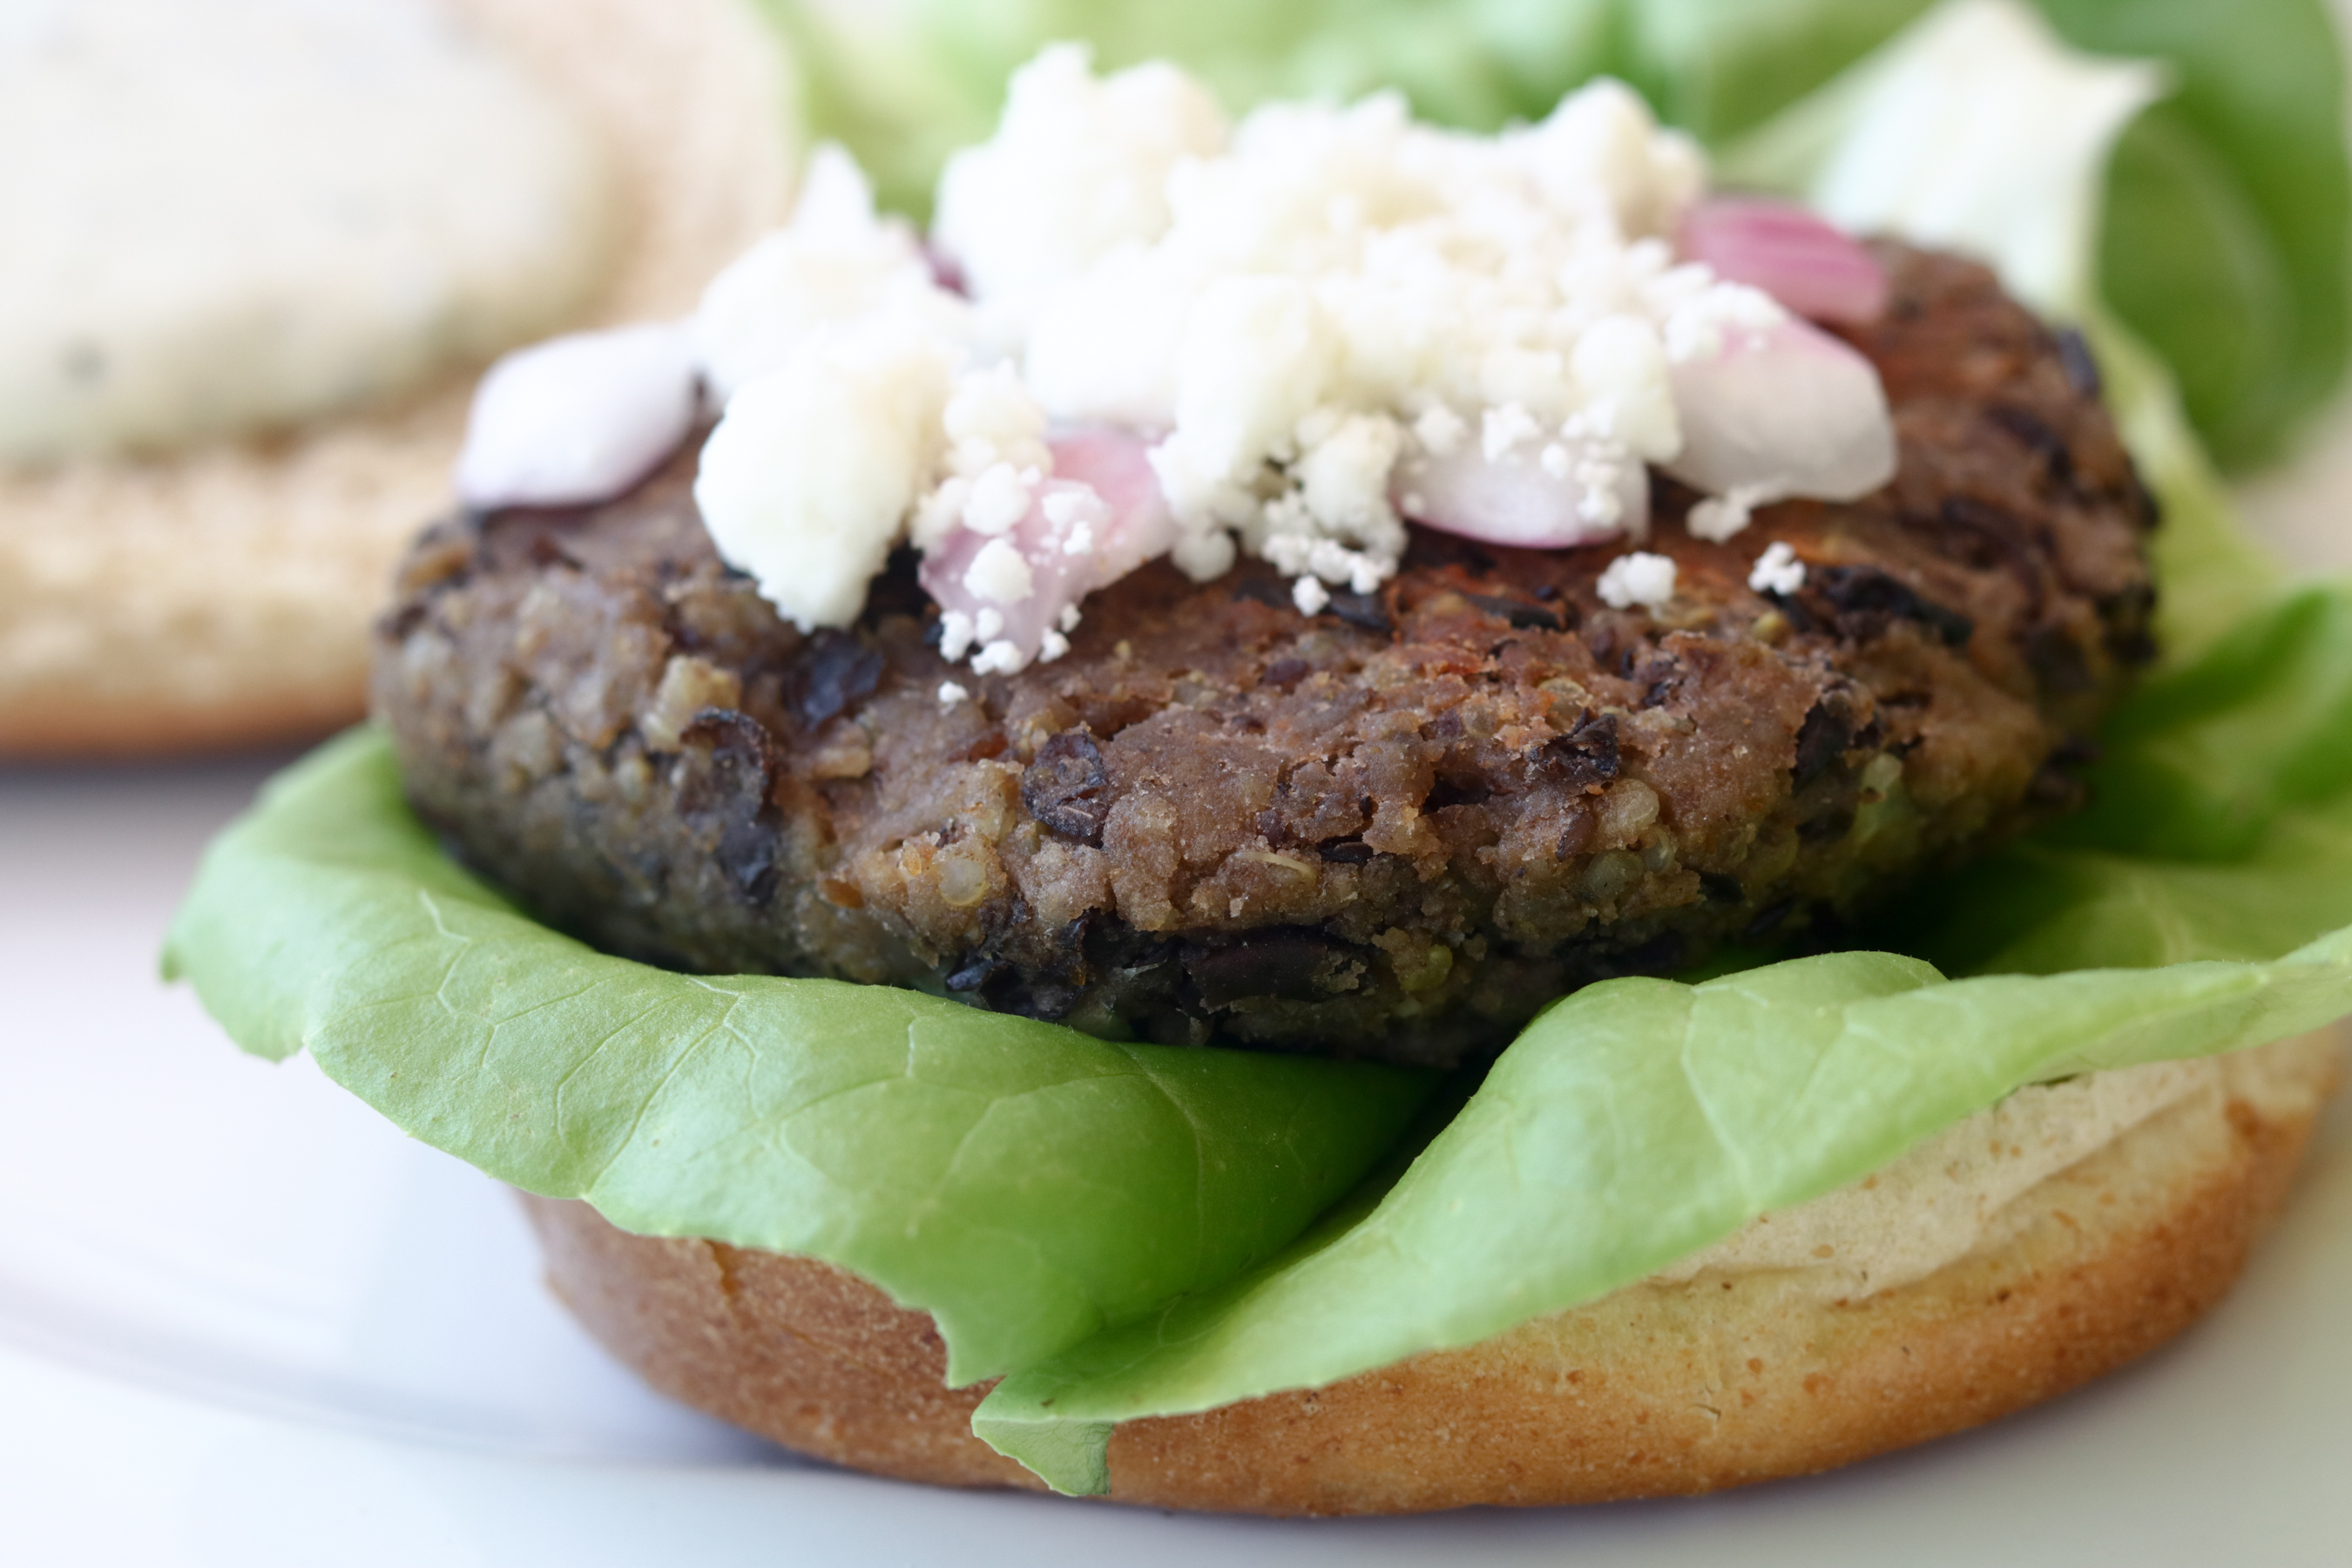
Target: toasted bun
{"points": [[222, 597], [1660, 1389]]}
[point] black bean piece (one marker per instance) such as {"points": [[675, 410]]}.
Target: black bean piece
{"points": [[1264, 591], [1067, 789], [1826, 828], [1827, 732], [2081, 366], [1283, 965], [1363, 610], [731, 763], [1523, 616], [1866, 592], [2038, 438], [975, 973], [1448, 792], [2077, 751], [2058, 661], [1588, 755], [1721, 887], [839, 673], [1286, 672]]}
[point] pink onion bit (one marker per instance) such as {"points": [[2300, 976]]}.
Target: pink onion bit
{"points": [[1116, 464], [577, 419], [1790, 411], [1058, 577], [1809, 267], [1515, 501], [1103, 497]]}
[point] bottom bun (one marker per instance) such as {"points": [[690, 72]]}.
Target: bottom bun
{"points": [[1659, 1389]]}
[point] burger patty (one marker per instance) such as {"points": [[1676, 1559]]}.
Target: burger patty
{"points": [[1393, 829]]}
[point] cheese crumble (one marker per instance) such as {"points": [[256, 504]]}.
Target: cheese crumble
{"points": [[1639, 578], [1177, 335], [1776, 571]]}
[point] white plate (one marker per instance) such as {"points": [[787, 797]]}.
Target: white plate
{"points": [[243, 1321]]}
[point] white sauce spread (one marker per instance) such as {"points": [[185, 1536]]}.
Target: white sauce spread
{"points": [[230, 216], [1953, 1193], [1140, 330]]}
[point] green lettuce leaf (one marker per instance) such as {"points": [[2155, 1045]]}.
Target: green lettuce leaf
{"points": [[1638, 1123], [2203, 905], [1024, 1184], [2228, 217]]}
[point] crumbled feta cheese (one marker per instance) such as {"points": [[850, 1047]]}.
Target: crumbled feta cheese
{"points": [[993, 421], [1621, 365], [1720, 518], [1268, 338], [1076, 515], [1778, 571], [999, 572], [1504, 429], [1700, 326], [998, 499], [1640, 578], [999, 657], [1077, 165], [1602, 141], [1440, 430], [951, 694], [1253, 364], [837, 263], [957, 634], [1051, 646], [1070, 617], [807, 480], [1311, 597]]}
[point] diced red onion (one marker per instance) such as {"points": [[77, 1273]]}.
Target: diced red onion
{"points": [[1056, 577], [1815, 270], [577, 419], [945, 271], [1788, 411], [1517, 500], [1115, 465], [1103, 496]]}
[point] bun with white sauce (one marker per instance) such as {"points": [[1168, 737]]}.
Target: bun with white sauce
{"points": [[220, 595]]}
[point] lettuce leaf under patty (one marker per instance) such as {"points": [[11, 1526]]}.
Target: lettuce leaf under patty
{"points": [[2228, 215], [1129, 1231], [1024, 1184], [2203, 905]]}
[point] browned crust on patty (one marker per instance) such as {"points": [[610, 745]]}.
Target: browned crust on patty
{"points": [[1657, 1390]]}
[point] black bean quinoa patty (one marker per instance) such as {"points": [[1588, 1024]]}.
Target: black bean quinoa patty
{"points": [[1395, 829]]}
